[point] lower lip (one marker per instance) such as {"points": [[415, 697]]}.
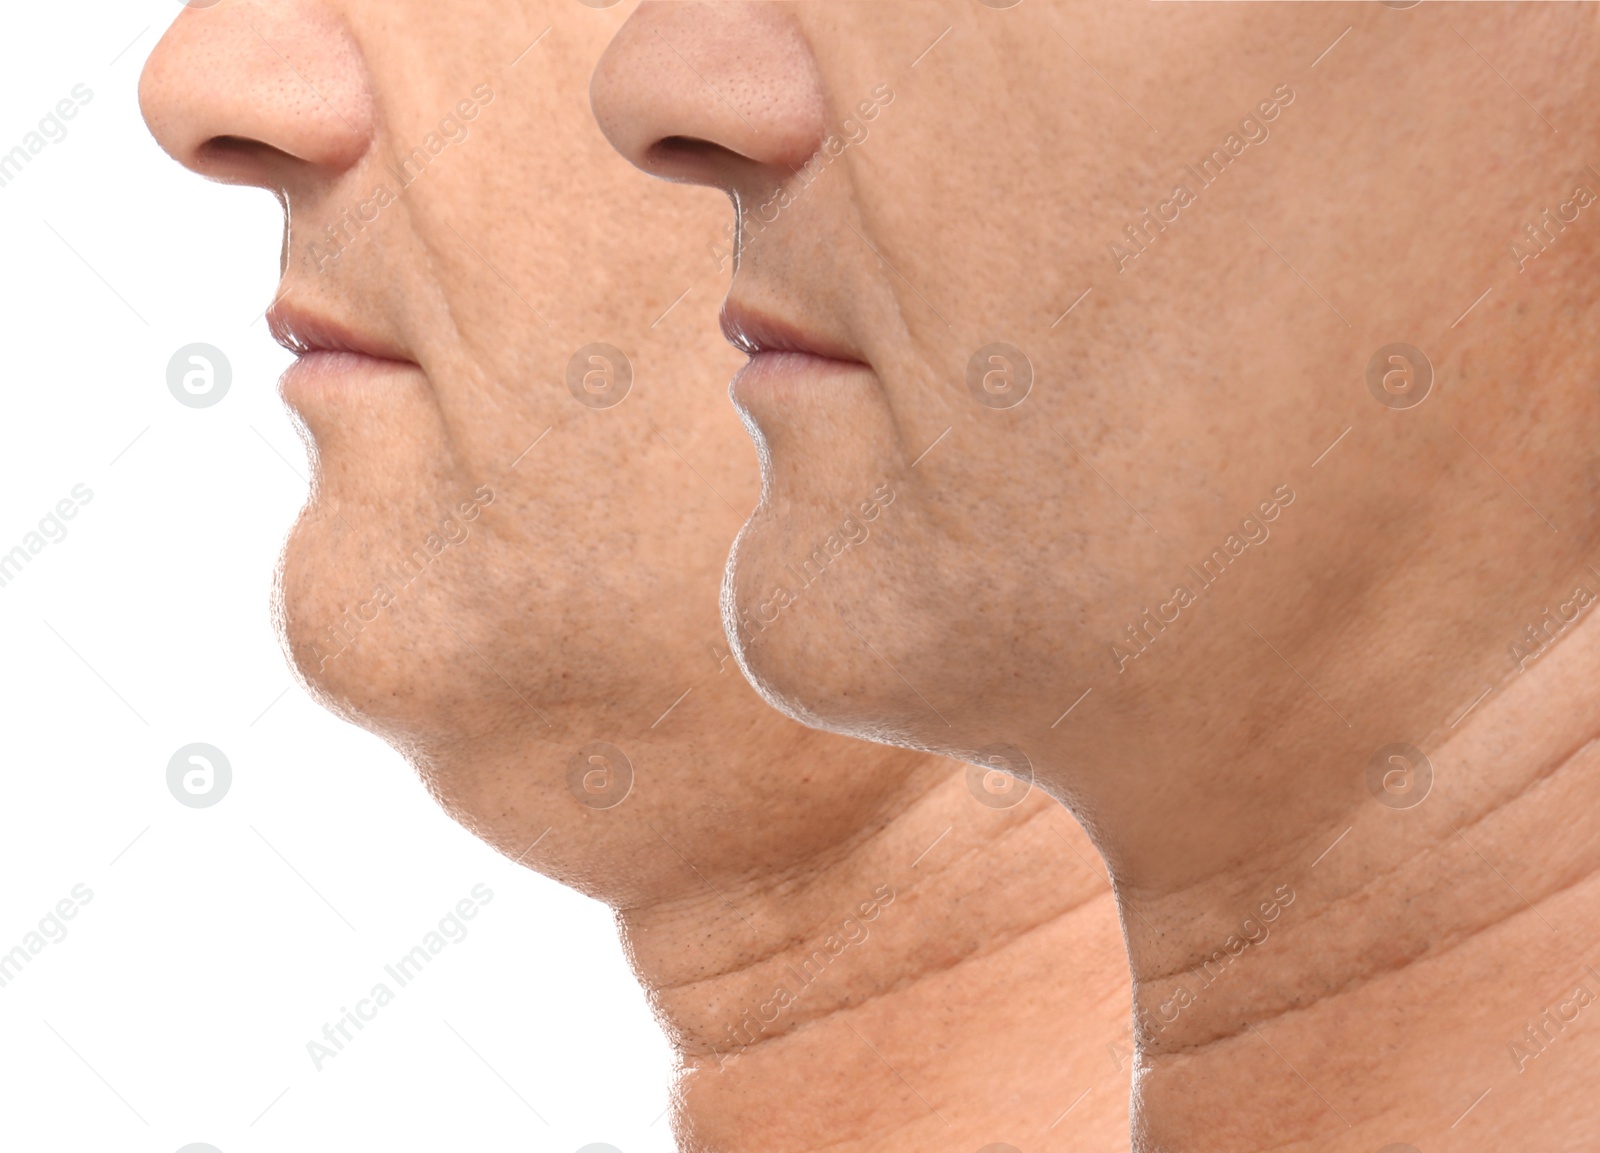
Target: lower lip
{"points": [[322, 376], [793, 375]]}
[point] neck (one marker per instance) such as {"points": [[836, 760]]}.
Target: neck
{"points": [[1400, 974], [906, 989]]}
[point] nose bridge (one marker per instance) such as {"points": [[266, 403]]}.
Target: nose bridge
{"points": [[740, 76], [288, 75]]}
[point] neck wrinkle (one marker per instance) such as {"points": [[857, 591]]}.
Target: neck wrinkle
{"points": [[936, 965], [1490, 874], [953, 841]]}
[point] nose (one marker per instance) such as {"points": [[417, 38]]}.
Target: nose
{"points": [[263, 93], [726, 94]]}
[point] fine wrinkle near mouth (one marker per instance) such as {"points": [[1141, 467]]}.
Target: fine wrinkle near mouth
{"points": [[753, 332], [303, 332]]}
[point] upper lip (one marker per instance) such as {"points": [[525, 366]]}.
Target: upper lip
{"points": [[752, 331], [302, 331]]}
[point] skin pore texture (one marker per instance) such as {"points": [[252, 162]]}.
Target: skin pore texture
{"points": [[499, 566], [1233, 369]]}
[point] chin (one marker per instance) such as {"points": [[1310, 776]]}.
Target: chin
{"points": [[317, 600], [366, 651], [803, 621], [881, 624]]}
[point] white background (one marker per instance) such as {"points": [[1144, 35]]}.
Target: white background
{"points": [[219, 941]]}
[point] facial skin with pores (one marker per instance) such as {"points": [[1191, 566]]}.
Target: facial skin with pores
{"points": [[1195, 323], [491, 574]]}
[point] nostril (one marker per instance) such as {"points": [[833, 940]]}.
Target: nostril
{"points": [[685, 148], [691, 144], [694, 159], [238, 159], [226, 147]]}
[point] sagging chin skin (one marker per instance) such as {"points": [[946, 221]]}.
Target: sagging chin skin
{"points": [[394, 533]]}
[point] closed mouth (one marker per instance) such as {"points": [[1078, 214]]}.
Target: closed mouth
{"points": [[754, 332], [303, 332]]}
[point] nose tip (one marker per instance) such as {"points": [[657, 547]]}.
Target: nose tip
{"points": [[702, 91], [241, 91]]}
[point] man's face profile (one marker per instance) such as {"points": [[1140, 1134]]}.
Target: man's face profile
{"points": [[1231, 370], [527, 478]]}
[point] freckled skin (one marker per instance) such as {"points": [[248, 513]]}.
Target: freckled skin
{"points": [[1196, 226], [492, 575]]}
